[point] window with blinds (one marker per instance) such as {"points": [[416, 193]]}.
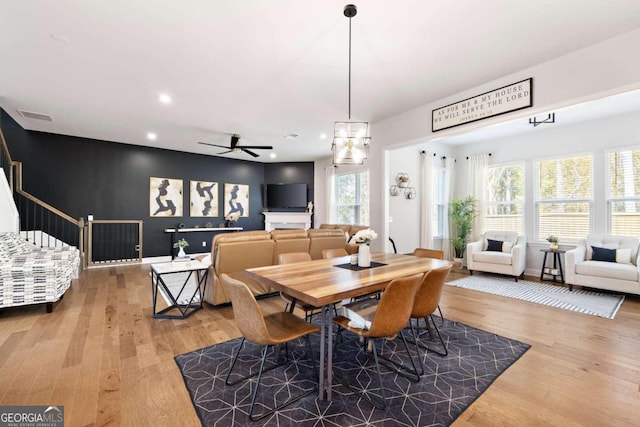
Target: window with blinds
{"points": [[505, 198], [564, 198], [352, 198], [623, 192]]}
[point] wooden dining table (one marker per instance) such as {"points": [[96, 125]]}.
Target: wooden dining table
{"points": [[323, 283]]}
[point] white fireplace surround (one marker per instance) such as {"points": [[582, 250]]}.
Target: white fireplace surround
{"points": [[279, 220]]}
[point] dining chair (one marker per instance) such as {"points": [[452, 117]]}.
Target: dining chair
{"points": [[390, 317], [334, 253], [435, 254], [288, 258], [271, 330], [424, 305]]}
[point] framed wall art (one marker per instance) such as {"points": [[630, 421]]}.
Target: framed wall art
{"points": [[236, 199], [203, 199], [165, 197]]}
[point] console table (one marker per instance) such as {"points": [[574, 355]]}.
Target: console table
{"points": [[174, 231], [273, 220]]}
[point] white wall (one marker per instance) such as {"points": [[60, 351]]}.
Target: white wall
{"points": [[9, 219], [602, 69]]}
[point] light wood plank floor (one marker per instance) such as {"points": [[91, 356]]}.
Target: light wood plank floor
{"points": [[102, 356]]}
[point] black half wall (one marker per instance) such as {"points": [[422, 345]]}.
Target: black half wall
{"points": [[108, 180]]}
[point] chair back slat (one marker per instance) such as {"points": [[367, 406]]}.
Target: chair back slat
{"points": [[246, 312], [395, 306], [291, 257], [428, 253], [428, 294]]}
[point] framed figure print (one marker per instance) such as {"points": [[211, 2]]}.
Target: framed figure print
{"points": [[165, 197], [203, 199], [236, 199]]}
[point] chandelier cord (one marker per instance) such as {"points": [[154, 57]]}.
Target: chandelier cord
{"points": [[349, 68]]}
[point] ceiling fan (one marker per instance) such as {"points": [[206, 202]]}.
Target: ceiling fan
{"points": [[236, 148]]}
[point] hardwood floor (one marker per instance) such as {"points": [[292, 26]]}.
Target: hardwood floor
{"points": [[102, 356]]}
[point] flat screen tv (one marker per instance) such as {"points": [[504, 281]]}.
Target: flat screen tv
{"points": [[286, 196]]}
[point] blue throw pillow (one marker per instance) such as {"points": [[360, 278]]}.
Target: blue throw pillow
{"points": [[496, 245], [603, 254]]}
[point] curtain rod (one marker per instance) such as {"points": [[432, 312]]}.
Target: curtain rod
{"points": [[468, 156], [434, 154]]}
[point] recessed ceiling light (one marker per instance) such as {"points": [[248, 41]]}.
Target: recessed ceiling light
{"points": [[164, 98], [272, 155], [323, 136], [152, 136], [291, 136]]}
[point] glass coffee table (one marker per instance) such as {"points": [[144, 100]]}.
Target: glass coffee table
{"points": [[182, 283]]}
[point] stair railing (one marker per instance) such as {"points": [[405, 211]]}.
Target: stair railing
{"points": [[40, 223]]}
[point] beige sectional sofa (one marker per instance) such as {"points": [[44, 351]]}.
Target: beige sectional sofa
{"points": [[232, 253], [621, 274]]}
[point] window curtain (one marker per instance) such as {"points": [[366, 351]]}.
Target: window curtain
{"points": [[447, 192], [477, 185], [330, 194], [427, 163]]}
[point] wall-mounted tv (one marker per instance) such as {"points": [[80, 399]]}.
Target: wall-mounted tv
{"points": [[286, 196]]}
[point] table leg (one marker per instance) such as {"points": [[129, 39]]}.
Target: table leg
{"points": [[322, 338], [555, 265], [544, 263], [560, 267], [329, 354]]}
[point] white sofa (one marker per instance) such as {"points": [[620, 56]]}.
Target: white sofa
{"points": [[510, 260], [622, 276]]}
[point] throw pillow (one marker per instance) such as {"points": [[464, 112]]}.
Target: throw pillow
{"points": [[603, 254], [623, 256], [494, 245], [506, 246]]}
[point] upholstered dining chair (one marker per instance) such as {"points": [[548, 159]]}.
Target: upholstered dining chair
{"points": [[334, 253], [390, 317], [435, 254], [424, 305], [288, 258], [271, 330]]}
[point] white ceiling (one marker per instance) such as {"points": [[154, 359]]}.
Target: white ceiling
{"points": [[265, 69]]}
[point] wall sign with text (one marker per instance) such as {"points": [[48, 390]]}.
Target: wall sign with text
{"points": [[508, 98]]}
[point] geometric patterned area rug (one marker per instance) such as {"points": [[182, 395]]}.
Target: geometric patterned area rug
{"points": [[580, 300], [449, 384]]}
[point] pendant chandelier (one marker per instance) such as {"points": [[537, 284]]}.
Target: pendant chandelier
{"points": [[350, 139]]}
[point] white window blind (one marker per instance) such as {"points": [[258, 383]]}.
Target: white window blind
{"points": [[352, 198], [564, 198], [623, 192], [505, 198]]}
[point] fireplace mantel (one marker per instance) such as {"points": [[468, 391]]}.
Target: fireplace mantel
{"points": [[275, 220]]}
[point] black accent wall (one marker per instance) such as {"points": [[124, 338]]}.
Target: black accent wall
{"points": [[110, 180]]}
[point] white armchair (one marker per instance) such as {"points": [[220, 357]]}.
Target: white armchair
{"points": [[620, 274], [502, 252]]}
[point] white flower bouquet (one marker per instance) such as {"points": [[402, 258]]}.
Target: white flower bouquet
{"points": [[233, 216], [365, 236]]}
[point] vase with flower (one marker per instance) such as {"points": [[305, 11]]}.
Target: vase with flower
{"points": [[364, 238], [181, 244], [553, 243], [231, 219]]}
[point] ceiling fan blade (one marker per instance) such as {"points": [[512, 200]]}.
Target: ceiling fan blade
{"points": [[249, 152], [257, 147], [213, 145], [225, 152]]}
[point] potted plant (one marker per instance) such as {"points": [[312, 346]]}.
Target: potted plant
{"points": [[553, 242], [182, 243], [462, 213]]}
